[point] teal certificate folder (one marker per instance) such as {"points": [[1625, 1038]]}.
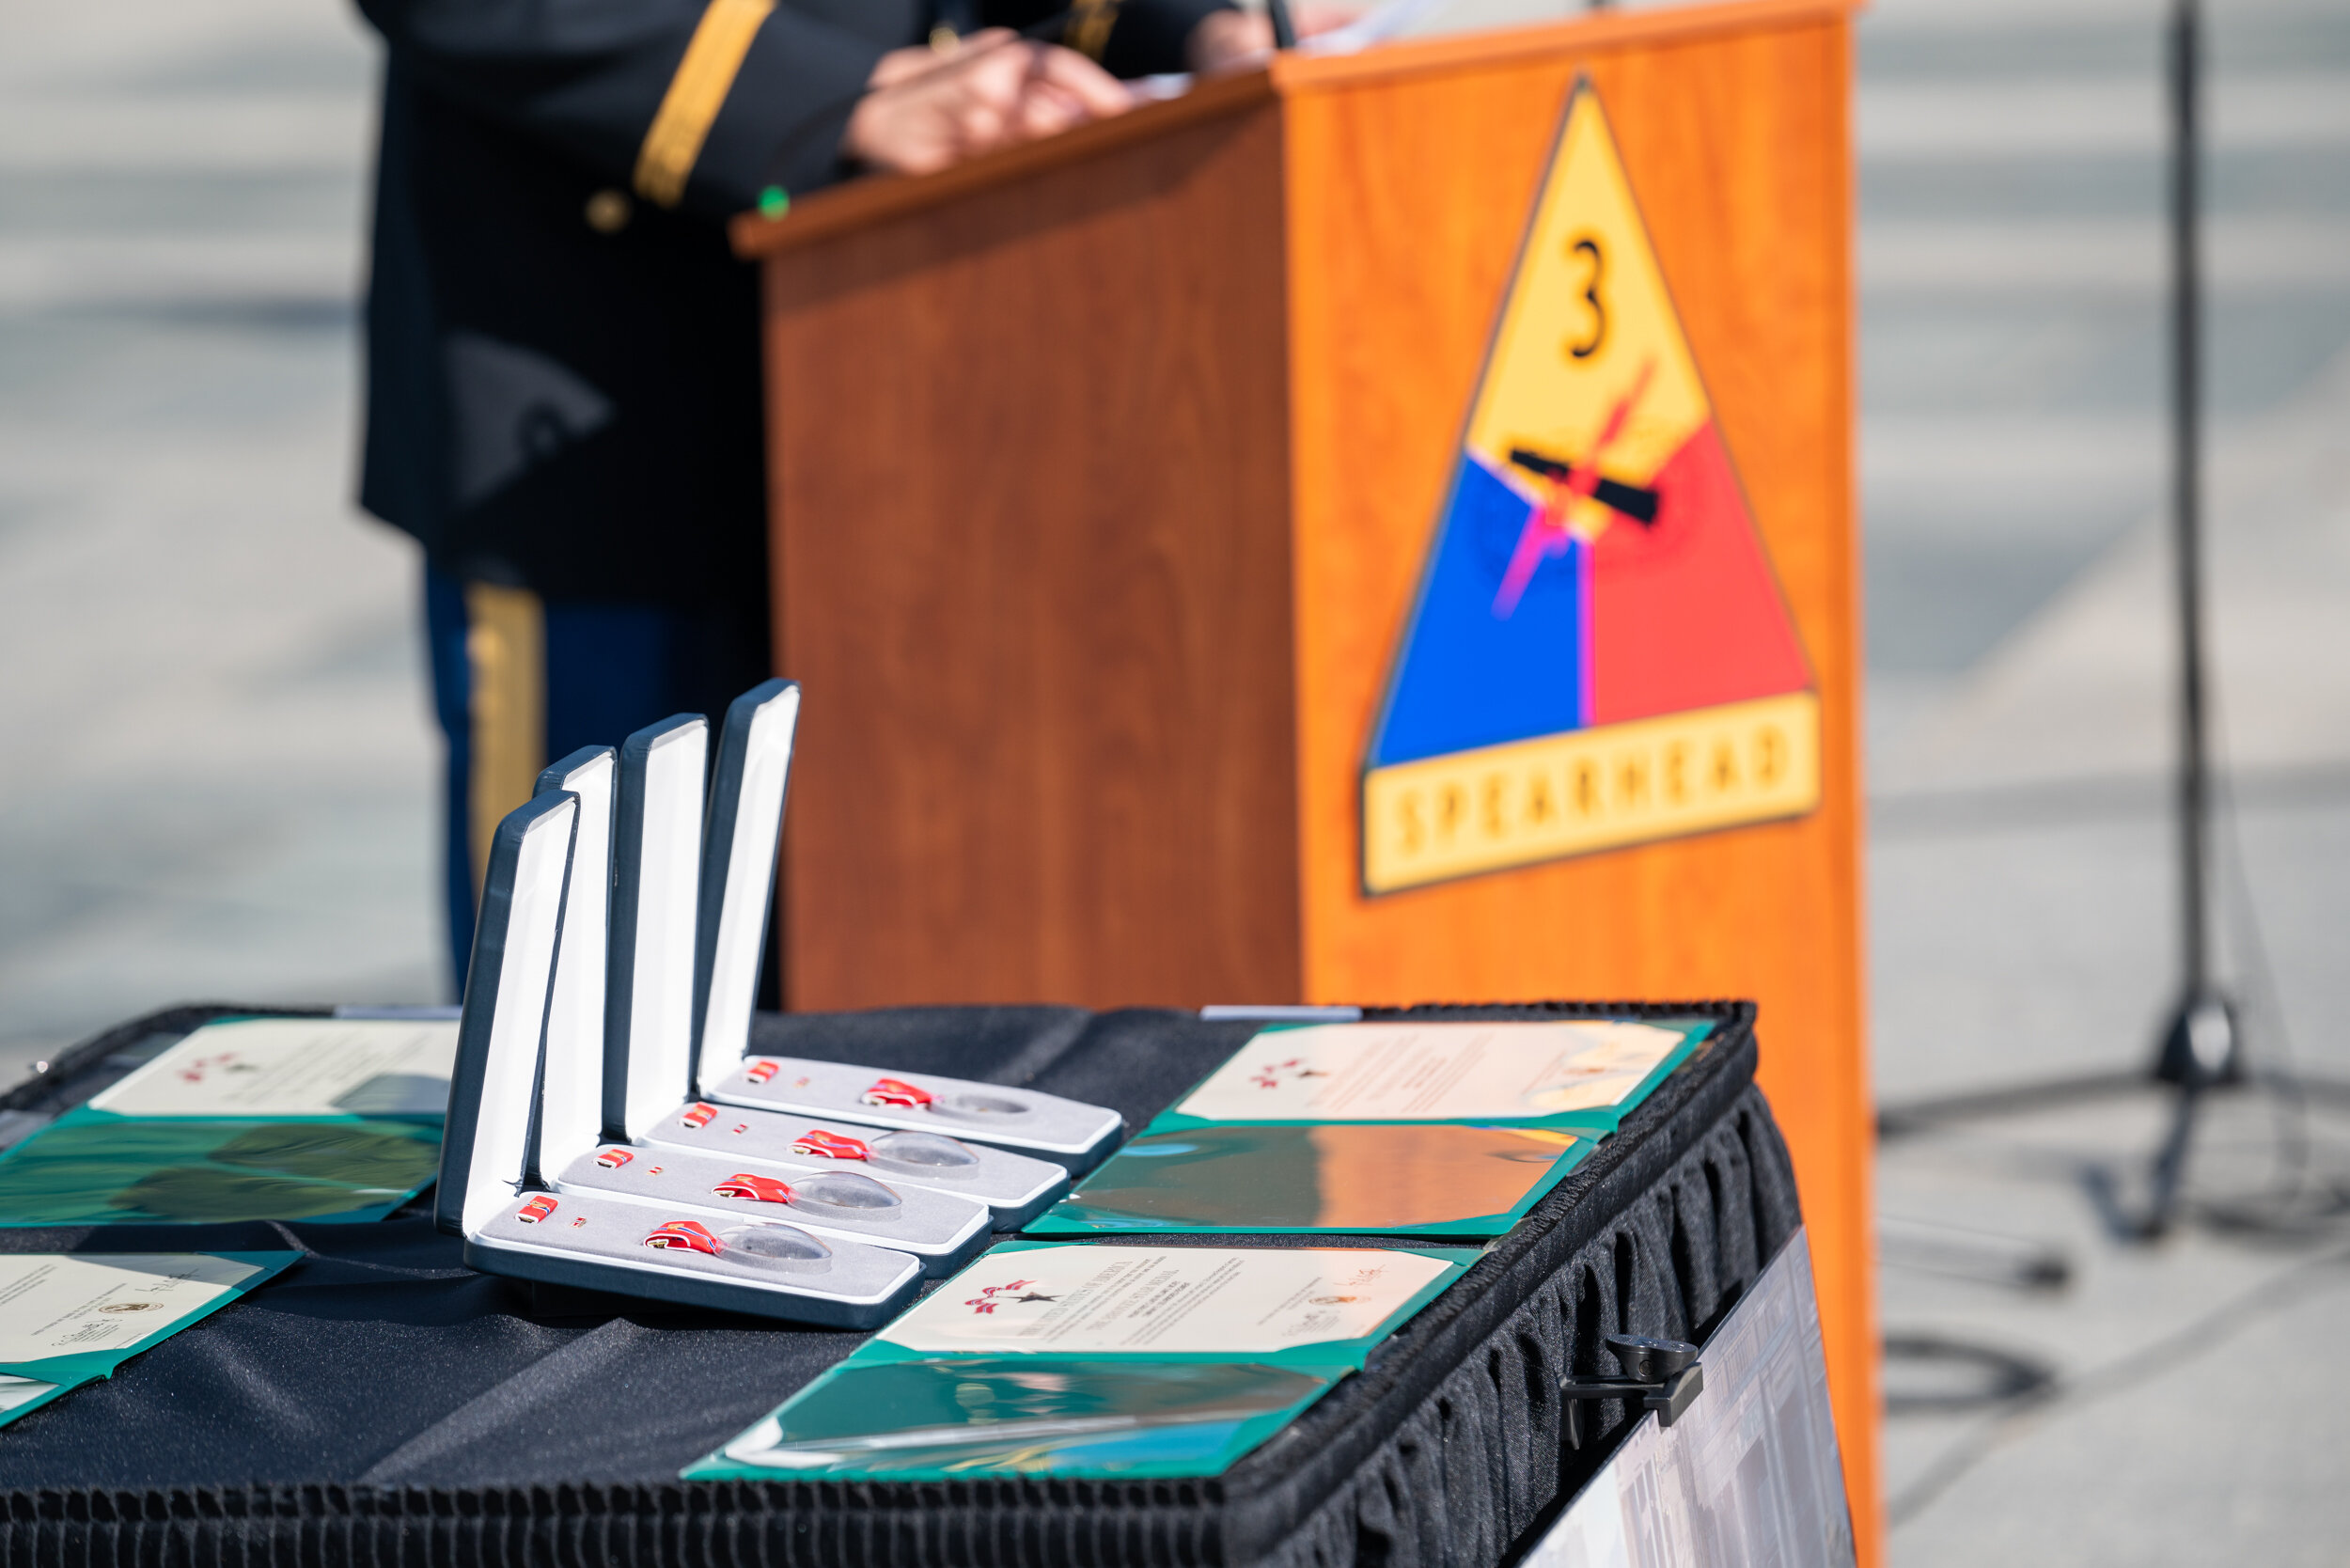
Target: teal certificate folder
{"points": [[67, 1318], [1582, 1074], [1087, 1360], [936, 1417], [89, 1168], [1385, 1179], [322, 1118]]}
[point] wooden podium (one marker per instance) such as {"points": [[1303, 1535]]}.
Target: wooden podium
{"points": [[1105, 473]]}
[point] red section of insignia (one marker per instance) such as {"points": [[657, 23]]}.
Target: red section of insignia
{"points": [[1687, 614]]}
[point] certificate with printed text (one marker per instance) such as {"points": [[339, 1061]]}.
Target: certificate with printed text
{"points": [[56, 1304], [1176, 1300], [1422, 1071], [272, 1067]]}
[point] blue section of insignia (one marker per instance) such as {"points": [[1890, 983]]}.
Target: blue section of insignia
{"points": [[1469, 678]]}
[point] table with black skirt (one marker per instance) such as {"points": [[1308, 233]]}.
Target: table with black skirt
{"points": [[379, 1403]]}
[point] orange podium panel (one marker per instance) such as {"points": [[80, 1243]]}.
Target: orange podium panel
{"points": [[1377, 530]]}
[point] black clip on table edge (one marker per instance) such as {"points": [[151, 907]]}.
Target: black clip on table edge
{"points": [[1663, 1375]]}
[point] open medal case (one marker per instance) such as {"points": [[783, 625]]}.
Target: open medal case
{"points": [[738, 891], [513, 1225], [1014, 1187], [658, 1053], [642, 802], [1069, 1133]]}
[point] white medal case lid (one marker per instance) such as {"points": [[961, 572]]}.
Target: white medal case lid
{"points": [[738, 891], [571, 1079], [486, 1144], [656, 860]]}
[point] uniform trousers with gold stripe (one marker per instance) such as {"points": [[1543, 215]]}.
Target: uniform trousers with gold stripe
{"points": [[519, 681]]}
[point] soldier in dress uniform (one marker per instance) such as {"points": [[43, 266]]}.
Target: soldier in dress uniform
{"points": [[563, 378]]}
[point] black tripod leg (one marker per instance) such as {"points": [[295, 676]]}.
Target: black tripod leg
{"points": [[2170, 1167]]}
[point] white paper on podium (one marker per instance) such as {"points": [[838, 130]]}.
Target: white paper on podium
{"points": [[1375, 26], [1751, 1473]]}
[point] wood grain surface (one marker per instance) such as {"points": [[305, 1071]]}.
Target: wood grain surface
{"points": [[1408, 194], [1029, 450]]}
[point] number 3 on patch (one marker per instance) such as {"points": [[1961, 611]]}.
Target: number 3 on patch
{"points": [[1586, 249]]}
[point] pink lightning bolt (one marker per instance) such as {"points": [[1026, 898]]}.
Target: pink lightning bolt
{"points": [[1546, 533]]}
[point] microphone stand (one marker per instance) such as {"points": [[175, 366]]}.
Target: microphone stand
{"points": [[2202, 1048]]}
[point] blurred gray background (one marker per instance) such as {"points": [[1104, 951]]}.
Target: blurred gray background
{"points": [[224, 776]]}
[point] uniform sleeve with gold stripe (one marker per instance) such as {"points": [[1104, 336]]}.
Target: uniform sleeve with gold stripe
{"points": [[691, 103], [703, 104]]}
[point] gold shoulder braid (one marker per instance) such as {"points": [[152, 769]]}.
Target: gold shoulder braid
{"points": [[1089, 24], [697, 92]]}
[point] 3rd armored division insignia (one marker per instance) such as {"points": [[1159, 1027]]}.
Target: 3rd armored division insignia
{"points": [[1599, 654]]}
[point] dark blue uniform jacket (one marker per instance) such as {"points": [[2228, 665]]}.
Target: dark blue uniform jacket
{"points": [[563, 388]]}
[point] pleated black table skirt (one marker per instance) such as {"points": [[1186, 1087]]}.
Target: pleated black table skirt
{"points": [[380, 1403]]}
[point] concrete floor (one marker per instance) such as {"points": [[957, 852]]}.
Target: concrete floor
{"points": [[223, 765], [223, 779]]}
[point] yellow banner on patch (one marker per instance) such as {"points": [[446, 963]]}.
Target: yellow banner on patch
{"points": [[1589, 790]]}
